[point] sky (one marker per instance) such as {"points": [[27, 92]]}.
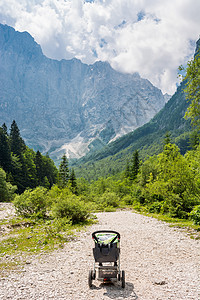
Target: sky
{"points": [[151, 37]]}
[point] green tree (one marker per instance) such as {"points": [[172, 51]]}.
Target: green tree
{"points": [[192, 89], [135, 165], [63, 173], [127, 170], [18, 148], [148, 167], [174, 184], [51, 172], [17, 144], [194, 139], [83, 186], [167, 138], [72, 181], [18, 176], [5, 129], [46, 170], [193, 159], [5, 153], [6, 189], [40, 168], [29, 168]]}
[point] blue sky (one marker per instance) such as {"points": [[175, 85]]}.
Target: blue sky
{"points": [[152, 37]]}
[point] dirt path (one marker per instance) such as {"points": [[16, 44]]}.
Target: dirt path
{"points": [[160, 263]]}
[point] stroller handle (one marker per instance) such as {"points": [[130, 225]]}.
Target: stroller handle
{"points": [[106, 231]]}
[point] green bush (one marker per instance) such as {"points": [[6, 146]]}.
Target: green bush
{"points": [[7, 190], [195, 215], [109, 199], [128, 200], [71, 207], [155, 207], [110, 209], [32, 203]]}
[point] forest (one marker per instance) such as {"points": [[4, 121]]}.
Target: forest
{"points": [[167, 183]]}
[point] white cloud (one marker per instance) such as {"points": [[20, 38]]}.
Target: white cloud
{"points": [[151, 37]]}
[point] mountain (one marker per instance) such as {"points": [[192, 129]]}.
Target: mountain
{"points": [[148, 139], [67, 105]]}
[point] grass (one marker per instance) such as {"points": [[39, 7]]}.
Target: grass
{"points": [[185, 224], [27, 237]]}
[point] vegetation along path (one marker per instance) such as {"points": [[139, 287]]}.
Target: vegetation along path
{"points": [[160, 262]]}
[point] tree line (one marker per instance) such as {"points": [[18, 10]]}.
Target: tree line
{"points": [[22, 168], [166, 183]]}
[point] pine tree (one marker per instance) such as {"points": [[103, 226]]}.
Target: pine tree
{"points": [[135, 165], [18, 147], [5, 154], [5, 130], [17, 144], [72, 181], [40, 170], [63, 173], [127, 170], [167, 138], [50, 170]]}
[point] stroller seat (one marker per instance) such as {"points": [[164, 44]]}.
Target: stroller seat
{"points": [[106, 246], [106, 253]]}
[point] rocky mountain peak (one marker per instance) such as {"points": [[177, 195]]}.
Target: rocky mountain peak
{"points": [[68, 106], [21, 43]]}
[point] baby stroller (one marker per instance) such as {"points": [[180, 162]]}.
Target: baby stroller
{"points": [[107, 258]]}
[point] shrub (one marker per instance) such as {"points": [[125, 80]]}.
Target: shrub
{"points": [[110, 209], [71, 207], [195, 215], [155, 207], [32, 203], [109, 199], [128, 200], [7, 190]]}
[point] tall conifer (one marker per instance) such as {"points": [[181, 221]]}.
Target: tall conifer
{"points": [[72, 180], [39, 168], [135, 165], [63, 172], [17, 144], [5, 154]]}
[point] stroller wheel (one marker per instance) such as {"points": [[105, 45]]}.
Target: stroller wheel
{"points": [[90, 277], [93, 275], [123, 279]]}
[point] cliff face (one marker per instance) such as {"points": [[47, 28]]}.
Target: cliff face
{"points": [[67, 105]]}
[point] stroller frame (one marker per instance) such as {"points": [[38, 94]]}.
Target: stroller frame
{"points": [[106, 266]]}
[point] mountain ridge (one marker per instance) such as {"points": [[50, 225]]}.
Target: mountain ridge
{"points": [[67, 106], [147, 139]]}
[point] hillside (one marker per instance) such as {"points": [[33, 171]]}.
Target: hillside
{"points": [[148, 139]]}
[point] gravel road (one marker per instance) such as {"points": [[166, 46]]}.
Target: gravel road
{"points": [[160, 263]]}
